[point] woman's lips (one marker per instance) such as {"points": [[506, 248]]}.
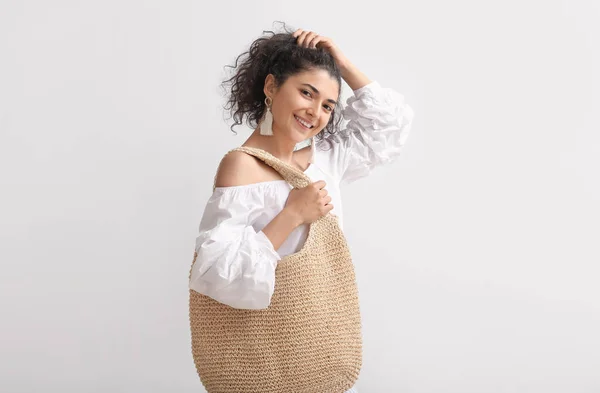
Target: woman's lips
{"points": [[301, 125]]}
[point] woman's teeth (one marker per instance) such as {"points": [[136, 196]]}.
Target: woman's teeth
{"points": [[303, 122]]}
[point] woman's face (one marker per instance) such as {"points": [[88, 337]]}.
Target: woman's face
{"points": [[303, 105]]}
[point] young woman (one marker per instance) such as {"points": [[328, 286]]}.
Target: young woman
{"points": [[288, 87]]}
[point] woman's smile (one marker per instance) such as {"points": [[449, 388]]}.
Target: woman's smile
{"points": [[303, 123]]}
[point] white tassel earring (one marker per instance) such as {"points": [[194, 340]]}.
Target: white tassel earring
{"points": [[266, 124]]}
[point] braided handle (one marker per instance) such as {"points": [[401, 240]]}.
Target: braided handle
{"points": [[291, 174]]}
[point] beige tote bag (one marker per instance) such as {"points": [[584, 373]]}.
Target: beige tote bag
{"points": [[309, 338]]}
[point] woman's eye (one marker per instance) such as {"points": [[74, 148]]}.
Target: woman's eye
{"points": [[308, 94]]}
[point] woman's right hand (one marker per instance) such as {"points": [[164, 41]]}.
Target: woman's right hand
{"points": [[309, 203]]}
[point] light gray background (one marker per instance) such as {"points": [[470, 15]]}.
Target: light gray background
{"points": [[476, 252]]}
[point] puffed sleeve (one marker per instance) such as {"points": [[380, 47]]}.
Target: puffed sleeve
{"points": [[379, 123], [235, 264]]}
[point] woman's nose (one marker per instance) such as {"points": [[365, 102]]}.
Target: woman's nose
{"points": [[312, 111]]}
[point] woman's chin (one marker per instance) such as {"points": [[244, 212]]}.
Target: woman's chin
{"points": [[302, 133]]}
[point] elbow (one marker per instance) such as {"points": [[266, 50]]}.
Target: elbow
{"points": [[234, 285], [399, 130], [240, 274]]}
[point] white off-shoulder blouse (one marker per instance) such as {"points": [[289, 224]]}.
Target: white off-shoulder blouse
{"points": [[236, 261]]}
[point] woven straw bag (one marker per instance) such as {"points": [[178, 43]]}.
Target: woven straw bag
{"points": [[309, 338]]}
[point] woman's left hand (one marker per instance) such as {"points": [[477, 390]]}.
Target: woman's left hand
{"points": [[309, 39]]}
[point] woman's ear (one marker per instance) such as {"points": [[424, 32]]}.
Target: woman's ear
{"points": [[269, 88]]}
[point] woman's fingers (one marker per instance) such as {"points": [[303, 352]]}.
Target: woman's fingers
{"points": [[314, 41], [303, 37], [306, 38]]}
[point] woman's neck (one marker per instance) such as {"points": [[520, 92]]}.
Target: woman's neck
{"points": [[278, 147]]}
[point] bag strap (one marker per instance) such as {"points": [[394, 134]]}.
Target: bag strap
{"points": [[291, 174]]}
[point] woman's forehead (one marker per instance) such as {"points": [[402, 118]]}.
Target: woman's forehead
{"points": [[319, 79]]}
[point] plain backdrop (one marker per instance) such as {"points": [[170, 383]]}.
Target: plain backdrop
{"points": [[476, 252]]}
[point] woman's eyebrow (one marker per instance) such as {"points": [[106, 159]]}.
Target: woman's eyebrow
{"points": [[317, 92]]}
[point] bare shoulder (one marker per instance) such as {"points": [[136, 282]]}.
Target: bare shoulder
{"points": [[238, 168]]}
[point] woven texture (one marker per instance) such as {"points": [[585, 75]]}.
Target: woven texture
{"points": [[309, 338]]}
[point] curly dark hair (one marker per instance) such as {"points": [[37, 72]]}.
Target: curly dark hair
{"points": [[280, 55]]}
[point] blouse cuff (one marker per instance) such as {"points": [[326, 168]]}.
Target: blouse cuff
{"points": [[374, 85], [268, 246]]}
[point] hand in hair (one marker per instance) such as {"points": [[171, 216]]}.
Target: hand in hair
{"points": [[309, 39]]}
